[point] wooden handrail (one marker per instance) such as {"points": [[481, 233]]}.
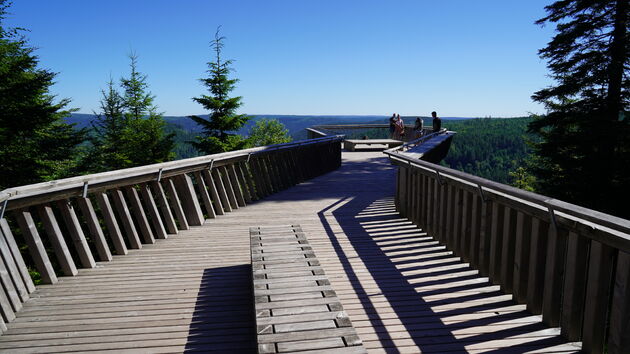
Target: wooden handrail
{"points": [[27, 195], [137, 206], [569, 263], [518, 196]]}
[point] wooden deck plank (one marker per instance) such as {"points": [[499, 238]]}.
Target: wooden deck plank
{"points": [[401, 290]]}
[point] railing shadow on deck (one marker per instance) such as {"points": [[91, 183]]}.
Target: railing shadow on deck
{"points": [[421, 302], [223, 316]]}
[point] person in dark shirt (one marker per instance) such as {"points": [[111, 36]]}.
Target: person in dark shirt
{"points": [[437, 122], [392, 126]]}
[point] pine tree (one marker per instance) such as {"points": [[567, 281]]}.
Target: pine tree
{"points": [[128, 131], [585, 136], [35, 142], [144, 139], [219, 128], [108, 128]]}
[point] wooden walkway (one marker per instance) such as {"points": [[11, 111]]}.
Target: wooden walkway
{"points": [[402, 290]]}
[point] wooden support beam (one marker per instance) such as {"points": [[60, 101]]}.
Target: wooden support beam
{"points": [[496, 242], [243, 182], [229, 189], [35, 246], [112, 225], [8, 288], [76, 233], [521, 266], [66, 263], [574, 290], [619, 333], [552, 294], [188, 198], [223, 194], [596, 311], [176, 205], [507, 249], [236, 186], [125, 218], [214, 193], [162, 203], [139, 214], [17, 256], [205, 197], [151, 206], [537, 262], [94, 228], [13, 270]]}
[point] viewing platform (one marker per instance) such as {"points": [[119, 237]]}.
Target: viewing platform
{"points": [[418, 262]]}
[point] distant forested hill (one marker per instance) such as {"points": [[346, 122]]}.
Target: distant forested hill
{"points": [[488, 147]]}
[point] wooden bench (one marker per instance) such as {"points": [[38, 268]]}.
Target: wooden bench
{"points": [[350, 144], [296, 308]]}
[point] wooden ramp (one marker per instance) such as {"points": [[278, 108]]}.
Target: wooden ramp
{"points": [[402, 291]]}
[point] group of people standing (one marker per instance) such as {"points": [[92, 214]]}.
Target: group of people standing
{"points": [[397, 126]]}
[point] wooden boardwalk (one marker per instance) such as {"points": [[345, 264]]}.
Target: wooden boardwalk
{"points": [[191, 292]]}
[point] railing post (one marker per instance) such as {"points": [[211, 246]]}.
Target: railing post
{"points": [[56, 239], [110, 221], [127, 221], [186, 191], [162, 202], [36, 247], [94, 228], [76, 233], [552, 294], [158, 225], [140, 216], [176, 205], [619, 338], [574, 288], [600, 271], [7, 235]]}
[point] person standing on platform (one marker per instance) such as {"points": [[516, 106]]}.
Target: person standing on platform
{"points": [[392, 126], [400, 127], [418, 128], [437, 122]]}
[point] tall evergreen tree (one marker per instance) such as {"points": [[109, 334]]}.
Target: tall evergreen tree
{"points": [[108, 130], [585, 147], [219, 128], [145, 140], [35, 143], [128, 131]]}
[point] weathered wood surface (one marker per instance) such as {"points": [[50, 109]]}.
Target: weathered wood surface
{"points": [[287, 277], [401, 289]]}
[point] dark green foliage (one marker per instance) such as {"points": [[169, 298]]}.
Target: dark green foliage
{"points": [[584, 151], [129, 131], [35, 143], [268, 132], [223, 121], [491, 148]]}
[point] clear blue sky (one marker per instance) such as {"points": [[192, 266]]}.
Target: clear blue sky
{"points": [[458, 57]]}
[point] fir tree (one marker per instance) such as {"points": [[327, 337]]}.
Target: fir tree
{"points": [[219, 128], [585, 136], [144, 139], [128, 131], [35, 143]]}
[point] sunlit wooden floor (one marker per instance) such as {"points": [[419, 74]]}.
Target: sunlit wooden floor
{"points": [[402, 290]]}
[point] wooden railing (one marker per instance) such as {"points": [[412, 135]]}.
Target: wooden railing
{"points": [[137, 206], [568, 263], [318, 131]]}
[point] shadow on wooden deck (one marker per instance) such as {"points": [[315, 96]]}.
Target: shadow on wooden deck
{"points": [[443, 304], [223, 316]]}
